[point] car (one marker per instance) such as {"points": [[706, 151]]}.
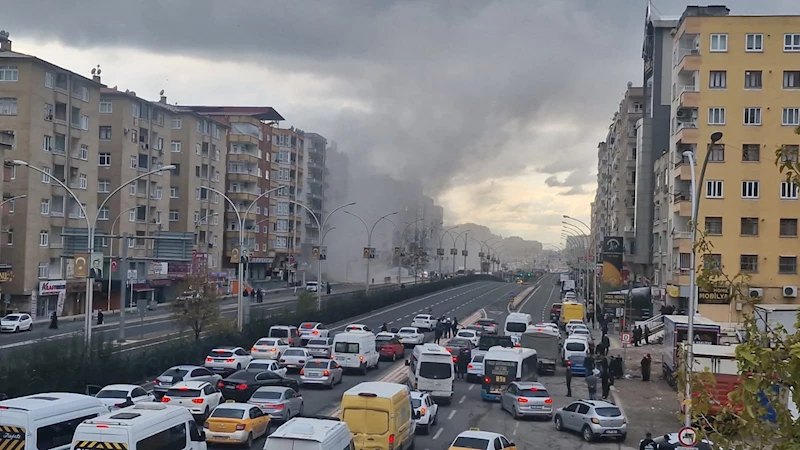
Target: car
{"points": [[15, 323], [239, 386], [424, 321], [114, 396], [357, 327], [312, 330], [320, 347], [488, 325], [236, 423], [267, 365], [526, 398], [411, 336], [199, 397], [428, 410], [294, 358], [460, 346], [281, 403], [555, 312], [481, 440], [593, 419], [269, 348], [470, 335], [476, 328], [581, 332], [288, 333], [312, 286], [182, 373], [475, 369], [227, 359], [389, 346], [326, 372]]}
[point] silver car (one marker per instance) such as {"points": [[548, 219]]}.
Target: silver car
{"points": [[527, 399], [281, 403], [182, 373], [321, 371], [320, 347], [593, 419]]}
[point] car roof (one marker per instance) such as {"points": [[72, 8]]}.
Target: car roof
{"points": [[283, 326], [128, 387], [530, 385], [229, 349], [467, 330], [409, 328], [418, 394], [192, 384], [185, 367], [272, 389], [239, 406], [599, 403], [488, 435], [385, 333]]}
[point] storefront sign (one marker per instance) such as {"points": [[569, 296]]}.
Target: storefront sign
{"points": [[260, 260], [6, 275], [179, 269], [52, 287], [160, 282], [158, 268], [719, 295], [614, 299]]}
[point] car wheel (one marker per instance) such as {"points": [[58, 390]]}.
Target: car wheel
{"points": [[588, 436], [16, 330], [515, 413], [249, 442], [558, 423], [364, 369], [394, 356], [301, 409], [377, 363], [30, 327], [238, 367], [427, 429], [206, 413]]}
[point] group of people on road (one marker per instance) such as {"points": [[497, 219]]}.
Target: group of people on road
{"points": [[446, 327], [641, 335]]}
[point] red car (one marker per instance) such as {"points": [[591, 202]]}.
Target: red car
{"points": [[389, 346]]}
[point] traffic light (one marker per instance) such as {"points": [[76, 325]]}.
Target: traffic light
{"points": [[529, 274]]}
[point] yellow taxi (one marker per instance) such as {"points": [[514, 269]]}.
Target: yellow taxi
{"points": [[236, 423], [474, 439]]}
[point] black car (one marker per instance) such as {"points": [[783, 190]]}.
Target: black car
{"points": [[487, 341], [459, 346], [239, 386]]}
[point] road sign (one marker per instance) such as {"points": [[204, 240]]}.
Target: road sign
{"points": [[323, 253], [113, 265], [453, 251], [687, 436], [439, 252], [464, 253], [315, 252], [625, 337], [369, 253]]}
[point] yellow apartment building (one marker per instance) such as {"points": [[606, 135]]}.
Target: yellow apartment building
{"points": [[738, 75]]}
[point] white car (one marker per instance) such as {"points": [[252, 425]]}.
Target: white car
{"points": [[475, 368], [423, 403], [425, 321], [357, 327], [312, 286], [199, 397], [411, 336], [227, 359], [269, 365], [114, 396], [16, 322], [295, 358], [269, 348], [470, 335], [312, 330], [481, 440], [572, 326]]}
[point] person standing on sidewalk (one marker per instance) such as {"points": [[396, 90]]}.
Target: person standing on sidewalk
{"points": [[646, 334], [99, 317], [604, 326], [606, 343], [569, 378], [591, 384], [438, 333], [605, 381], [646, 365]]}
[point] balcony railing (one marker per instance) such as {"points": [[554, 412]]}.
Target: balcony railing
{"points": [[683, 235], [683, 52]]}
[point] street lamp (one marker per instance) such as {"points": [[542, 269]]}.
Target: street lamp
{"points": [[454, 247], [441, 240], [11, 199], [369, 236], [240, 306]]}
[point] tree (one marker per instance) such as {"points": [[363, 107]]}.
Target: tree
{"points": [[307, 302], [198, 307]]}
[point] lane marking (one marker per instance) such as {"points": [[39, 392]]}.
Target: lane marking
{"points": [[463, 397], [470, 387], [438, 433], [452, 413]]}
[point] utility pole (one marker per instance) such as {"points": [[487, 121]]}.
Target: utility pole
{"points": [[122, 270], [465, 253]]}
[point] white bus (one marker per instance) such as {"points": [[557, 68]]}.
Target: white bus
{"points": [[430, 369], [503, 365]]}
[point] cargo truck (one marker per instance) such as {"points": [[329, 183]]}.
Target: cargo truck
{"points": [[547, 346], [768, 317], [676, 329]]}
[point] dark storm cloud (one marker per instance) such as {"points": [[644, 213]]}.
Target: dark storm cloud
{"points": [[576, 178], [454, 88]]}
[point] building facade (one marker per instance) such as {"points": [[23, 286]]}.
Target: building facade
{"points": [[288, 161], [315, 186]]}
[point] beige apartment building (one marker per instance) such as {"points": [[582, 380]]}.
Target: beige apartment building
{"points": [[54, 115], [287, 169]]}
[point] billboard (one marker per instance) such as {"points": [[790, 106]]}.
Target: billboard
{"points": [[612, 260]]}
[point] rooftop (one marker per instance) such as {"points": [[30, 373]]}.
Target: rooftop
{"points": [[259, 112]]}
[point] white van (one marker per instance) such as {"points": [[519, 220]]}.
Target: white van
{"points": [[574, 346], [517, 323], [356, 350], [46, 421], [310, 434], [146, 426], [430, 369]]}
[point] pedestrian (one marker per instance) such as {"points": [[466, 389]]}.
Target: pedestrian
{"points": [[606, 343], [646, 334], [260, 296], [588, 362], [454, 326], [438, 333], [591, 384], [636, 337], [448, 327], [99, 317], [604, 327], [462, 363], [328, 288], [605, 382], [646, 365], [648, 443], [53, 321], [569, 378]]}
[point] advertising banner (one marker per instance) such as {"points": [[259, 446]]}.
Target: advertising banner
{"points": [[719, 295], [612, 260]]}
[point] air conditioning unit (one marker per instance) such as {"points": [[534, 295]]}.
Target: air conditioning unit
{"points": [[684, 114], [790, 291], [755, 292]]}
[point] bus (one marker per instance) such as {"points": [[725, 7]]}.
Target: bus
{"points": [[503, 365]]}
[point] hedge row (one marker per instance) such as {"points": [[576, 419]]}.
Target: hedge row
{"points": [[66, 365]]}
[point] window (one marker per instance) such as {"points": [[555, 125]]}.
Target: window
{"points": [[719, 42], [60, 143], [281, 242], [173, 215], [160, 119], [198, 149], [44, 269], [791, 42], [49, 79], [283, 209], [714, 225], [134, 162], [173, 192], [787, 264], [132, 215], [84, 152], [749, 226], [105, 133], [132, 189], [754, 43], [717, 153], [44, 238], [103, 186], [717, 79], [177, 169], [160, 144], [8, 106], [788, 191], [175, 146], [282, 225], [752, 79], [176, 124], [791, 116], [9, 74], [83, 181], [748, 263], [788, 228], [10, 237], [103, 213], [173, 438], [45, 207], [716, 116], [104, 159], [105, 107], [749, 189], [46, 175], [159, 193], [789, 153], [791, 79], [712, 261], [11, 172], [752, 116], [713, 189]]}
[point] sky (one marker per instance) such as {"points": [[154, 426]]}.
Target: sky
{"points": [[494, 107]]}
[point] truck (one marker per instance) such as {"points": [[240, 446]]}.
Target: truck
{"points": [[547, 346], [570, 311], [768, 317], [676, 329], [719, 360], [567, 286]]}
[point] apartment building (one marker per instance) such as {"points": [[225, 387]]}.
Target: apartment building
{"points": [[601, 214], [315, 182], [288, 167], [53, 113], [662, 241], [737, 75], [248, 175]]}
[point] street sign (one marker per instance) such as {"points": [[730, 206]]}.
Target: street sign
{"points": [[113, 265], [133, 275], [453, 251], [687, 436], [439, 252], [315, 252], [369, 253], [625, 337], [323, 253], [464, 253]]}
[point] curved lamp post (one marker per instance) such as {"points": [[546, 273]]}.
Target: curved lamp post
{"points": [[369, 236], [455, 238]]}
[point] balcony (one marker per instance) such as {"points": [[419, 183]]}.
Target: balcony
{"points": [[687, 131], [314, 164], [243, 192], [630, 232], [251, 176], [682, 241], [230, 214], [689, 96], [682, 204], [687, 59], [683, 170], [680, 278]]}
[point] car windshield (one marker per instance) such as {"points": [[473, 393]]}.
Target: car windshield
{"points": [[485, 322], [516, 327], [435, 370], [176, 374], [346, 347], [221, 354], [183, 392], [608, 412], [227, 413], [383, 338], [534, 393], [487, 342], [458, 342], [576, 346], [317, 342], [267, 342], [422, 318], [416, 403], [12, 318], [260, 365], [294, 352], [317, 365], [112, 393], [471, 442], [278, 332], [408, 330], [468, 334], [269, 395]]}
